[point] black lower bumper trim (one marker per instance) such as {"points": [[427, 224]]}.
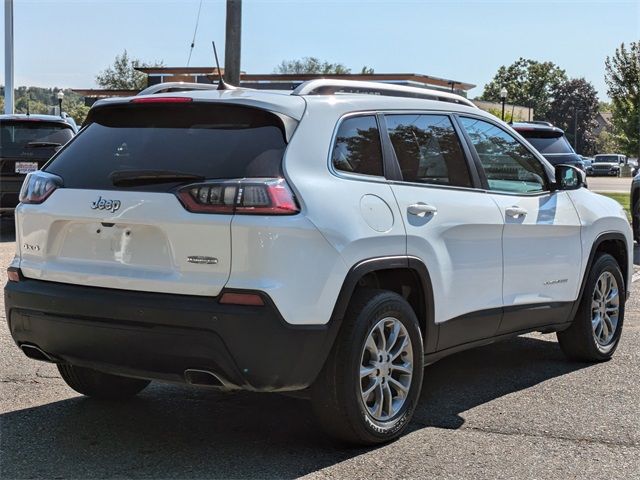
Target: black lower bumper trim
{"points": [[159, 336]]}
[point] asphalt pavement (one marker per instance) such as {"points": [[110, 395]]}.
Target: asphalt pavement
{"points": [[609, 184], [515, 409]]}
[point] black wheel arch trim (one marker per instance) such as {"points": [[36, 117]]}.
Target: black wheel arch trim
{"points": [[592, 254], [364, 267]]}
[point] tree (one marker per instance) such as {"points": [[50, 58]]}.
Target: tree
{"points": [[622, 76], [122, 75], [575, 104], [528, 82], [45, 100], [606, 142], [311, 65]]}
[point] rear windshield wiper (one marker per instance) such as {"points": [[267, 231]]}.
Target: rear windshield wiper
{"points": [[42, 144], [130, 178]]}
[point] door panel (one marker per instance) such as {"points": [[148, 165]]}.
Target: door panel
{"points": [[541, 239], [542, 250], [460, 244]]}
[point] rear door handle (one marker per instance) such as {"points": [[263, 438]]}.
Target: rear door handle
{"points": [[421, 209], [516, 211]]}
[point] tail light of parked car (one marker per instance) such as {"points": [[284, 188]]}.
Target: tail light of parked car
{"points": [[38, 186], [271, 196]]}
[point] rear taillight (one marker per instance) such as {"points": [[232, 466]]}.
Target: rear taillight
{"points": [[270, 196], [38, 186]]}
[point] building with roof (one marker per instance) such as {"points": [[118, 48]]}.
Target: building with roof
{"points": [[275, 81]]}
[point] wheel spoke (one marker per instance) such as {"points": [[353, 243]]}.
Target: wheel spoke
{"points": [[393, 337], [371, 346], [379, 400], [400, 388], [403, 368], [366, 371], [366, 393], [402, 348], [388, 399], [382, 340]]}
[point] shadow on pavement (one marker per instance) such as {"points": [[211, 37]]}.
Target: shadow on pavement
{"points": [[176, 432], [636, 254]]}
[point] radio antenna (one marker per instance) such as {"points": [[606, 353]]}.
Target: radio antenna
{"points": [[222, 85]]}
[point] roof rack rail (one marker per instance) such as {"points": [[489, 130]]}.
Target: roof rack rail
{"points": [[168, 87], [332, 87]]}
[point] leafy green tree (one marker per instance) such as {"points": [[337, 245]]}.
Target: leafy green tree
{"points": [[575, 104], [45, 101], [311, 65], [528, 82], [122, 75], [606, 142], [367, 70], [622, 76]]}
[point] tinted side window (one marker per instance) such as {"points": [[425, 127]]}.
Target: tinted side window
{"points": [[428, 149], [508, 165], [357, 148]]}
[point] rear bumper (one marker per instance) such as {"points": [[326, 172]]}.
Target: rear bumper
{"points": [[159, 336]]}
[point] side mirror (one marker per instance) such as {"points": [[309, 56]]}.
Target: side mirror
{"points": [[569, 177]]}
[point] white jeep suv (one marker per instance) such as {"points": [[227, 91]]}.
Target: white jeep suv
{"points": [[335, 240]]}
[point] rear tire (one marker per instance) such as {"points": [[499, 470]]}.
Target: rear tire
{"points": [[100, 385], [601, 311], [379, 350]]}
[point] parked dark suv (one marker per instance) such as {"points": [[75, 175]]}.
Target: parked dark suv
{"points": [[26, 143], [550, 142], [635, 207]]}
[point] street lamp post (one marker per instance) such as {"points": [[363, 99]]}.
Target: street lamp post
{"points": [[503, 98], [60, 97]]}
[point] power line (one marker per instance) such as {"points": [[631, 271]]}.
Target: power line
{"points": [[195, 31]]}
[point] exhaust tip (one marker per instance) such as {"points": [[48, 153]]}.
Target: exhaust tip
{"points": [[202, 378], [36, 353]]}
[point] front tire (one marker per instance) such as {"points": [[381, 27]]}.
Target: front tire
{"points": [[100, 385], [595, 331], [370, 384]]}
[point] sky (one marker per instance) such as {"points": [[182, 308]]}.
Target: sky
{"points": [[65, 43]]}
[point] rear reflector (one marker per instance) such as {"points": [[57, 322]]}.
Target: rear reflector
{"points": [[270, 196], [162, 100], [13, 274], [241, 299]]}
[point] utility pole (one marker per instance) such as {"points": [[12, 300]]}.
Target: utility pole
{"points": [[575, 130], [8, 56], [232, 42]]}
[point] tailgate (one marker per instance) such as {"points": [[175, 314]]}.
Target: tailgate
{"points": [[135, 247]]}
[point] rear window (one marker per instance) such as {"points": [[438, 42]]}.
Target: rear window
{"points": [[207, 140], [32, 138], [548, 142]]}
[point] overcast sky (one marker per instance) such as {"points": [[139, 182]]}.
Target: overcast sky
{"points": [[66, 42]]}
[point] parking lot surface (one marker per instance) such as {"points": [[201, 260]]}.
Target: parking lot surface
{"points": [[516, 409], [609, 184]]}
